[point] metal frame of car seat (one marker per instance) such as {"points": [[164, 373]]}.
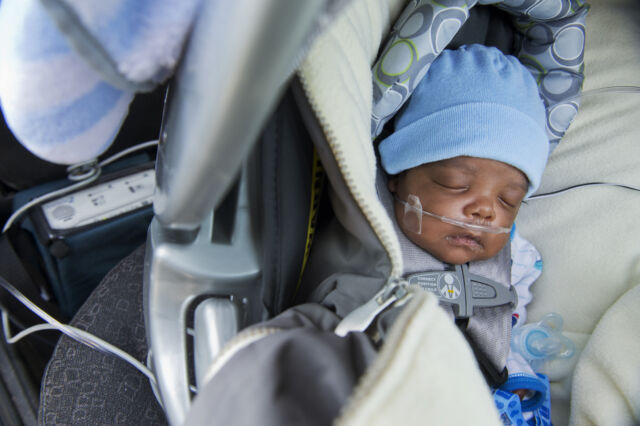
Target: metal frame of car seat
{"points": [[199, 292]]}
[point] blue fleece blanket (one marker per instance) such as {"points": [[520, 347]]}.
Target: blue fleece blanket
{"points": [[70, 68]]}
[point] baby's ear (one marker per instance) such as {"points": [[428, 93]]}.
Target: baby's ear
{"points": [[392, 184]]}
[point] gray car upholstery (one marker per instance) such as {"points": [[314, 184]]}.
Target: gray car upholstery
{"points": [[84, 386]]}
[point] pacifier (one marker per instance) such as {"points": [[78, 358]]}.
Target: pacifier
{"points": [[542, 341], [413, 218]]}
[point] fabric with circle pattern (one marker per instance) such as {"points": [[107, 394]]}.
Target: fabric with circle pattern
{"points": [[550, 37]]}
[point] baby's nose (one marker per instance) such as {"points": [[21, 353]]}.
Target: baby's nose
{"points": [[480, 208]]}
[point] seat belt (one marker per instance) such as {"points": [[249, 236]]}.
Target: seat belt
{"points": [[492, 376], [465, 291]]}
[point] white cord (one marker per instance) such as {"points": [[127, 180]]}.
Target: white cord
{"points": [[81, 184], [73, 332], [14, 339], [127, 151], [46, 197]]}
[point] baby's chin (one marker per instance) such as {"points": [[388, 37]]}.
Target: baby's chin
{"points": [[458, 256], [458, 259]]}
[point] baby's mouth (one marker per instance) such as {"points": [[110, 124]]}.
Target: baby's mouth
{"points": [[465, 240]]}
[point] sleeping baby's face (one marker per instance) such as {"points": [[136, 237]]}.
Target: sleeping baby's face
{"points": [[473, 190]]}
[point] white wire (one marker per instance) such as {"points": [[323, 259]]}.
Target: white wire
{"points": [[127, 151], [5, 326], [48, 196], [73, 332], [14, 339], [63, 191], [53, 324]]}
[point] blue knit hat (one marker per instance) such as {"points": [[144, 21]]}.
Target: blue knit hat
{"points": [[474, 101]]}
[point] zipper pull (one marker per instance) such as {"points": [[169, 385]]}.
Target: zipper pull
{"points": [[361, 318]]}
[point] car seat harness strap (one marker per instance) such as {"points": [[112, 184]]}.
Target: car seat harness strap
{"points": [[463, 290], [494, 377]]}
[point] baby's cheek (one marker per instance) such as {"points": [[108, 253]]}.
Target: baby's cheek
{"points": [[495, 244]]}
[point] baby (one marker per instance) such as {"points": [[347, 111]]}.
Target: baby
{"points": [[466, 150], [478, 191], [470, 145]]}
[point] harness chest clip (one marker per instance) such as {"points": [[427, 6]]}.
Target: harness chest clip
{"points": [[463, 290]]}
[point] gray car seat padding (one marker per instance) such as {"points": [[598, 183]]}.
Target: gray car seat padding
{"points": [[288, 217], [84, 386]]}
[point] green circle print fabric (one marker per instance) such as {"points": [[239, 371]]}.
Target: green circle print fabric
{"points": [[549, 34]]}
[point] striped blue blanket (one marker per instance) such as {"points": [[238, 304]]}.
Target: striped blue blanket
{"points": [[70, 68]]}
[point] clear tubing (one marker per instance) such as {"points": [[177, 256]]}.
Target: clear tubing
{"points": [[413, 218], [81, 336]]}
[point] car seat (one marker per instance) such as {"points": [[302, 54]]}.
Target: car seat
{"points": [[542, 224]]}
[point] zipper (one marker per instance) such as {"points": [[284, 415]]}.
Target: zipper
{"points": [[394, 290], [386, 234], [361, 318], [235, 345]]}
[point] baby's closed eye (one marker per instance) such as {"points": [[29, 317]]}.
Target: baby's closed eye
{"points": [[453, 185], [509, 202]]}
